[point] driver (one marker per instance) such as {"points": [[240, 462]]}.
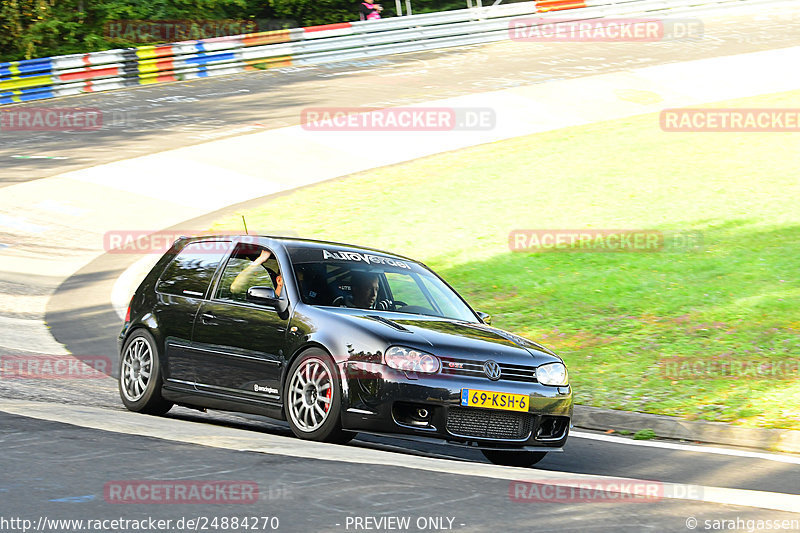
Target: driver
{"points": [[364, 291], [364, 288]]}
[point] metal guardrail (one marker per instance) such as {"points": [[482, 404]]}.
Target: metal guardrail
{"points": [[50, 77]]}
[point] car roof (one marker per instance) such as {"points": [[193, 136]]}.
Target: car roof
{"points": [[313, 243]]}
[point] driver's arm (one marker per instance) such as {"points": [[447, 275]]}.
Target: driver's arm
{"points": [[242, 280]]}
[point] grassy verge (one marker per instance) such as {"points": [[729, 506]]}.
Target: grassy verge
{"points": [[652, 332]]}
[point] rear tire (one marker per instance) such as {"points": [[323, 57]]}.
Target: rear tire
{"points": [[313, 399], [140, 375], [512, 458]]}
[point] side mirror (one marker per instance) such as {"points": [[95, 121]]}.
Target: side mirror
{"points": [[266, 296], [486, 318]]}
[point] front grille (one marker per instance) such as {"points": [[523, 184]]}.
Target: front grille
{"points": [[488, 424], [464, 367]]}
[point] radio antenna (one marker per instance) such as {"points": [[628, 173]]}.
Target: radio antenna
{"points": [[245, 225]]}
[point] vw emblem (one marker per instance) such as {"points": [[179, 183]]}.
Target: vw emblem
{"points": [[492, 370]]}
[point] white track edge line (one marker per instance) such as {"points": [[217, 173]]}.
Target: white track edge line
{"points": [[790, 459], [128, 423]]}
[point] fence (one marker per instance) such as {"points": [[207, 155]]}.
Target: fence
{"points": [[50, 77]]}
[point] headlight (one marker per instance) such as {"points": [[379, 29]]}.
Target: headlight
{"points": [[554, 374], [410, 360]]}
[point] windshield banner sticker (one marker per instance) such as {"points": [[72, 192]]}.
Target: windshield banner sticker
{"points": [[366, 258]]}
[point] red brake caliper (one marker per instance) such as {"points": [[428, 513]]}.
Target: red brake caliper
{"points": [[328, 395]]}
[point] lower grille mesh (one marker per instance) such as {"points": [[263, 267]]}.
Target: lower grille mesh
{"points": [[488, 424]]}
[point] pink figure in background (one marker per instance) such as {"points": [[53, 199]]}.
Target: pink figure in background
{"points": [[370, 11]]}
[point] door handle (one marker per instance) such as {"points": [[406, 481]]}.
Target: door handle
{"points": [[207, 317]]}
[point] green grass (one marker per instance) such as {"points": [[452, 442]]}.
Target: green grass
{"points": [[619, 320], [644, 434]]}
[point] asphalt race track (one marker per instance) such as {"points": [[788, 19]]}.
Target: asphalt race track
{"points": [[162, 117], [54, 473], [58, 461]]}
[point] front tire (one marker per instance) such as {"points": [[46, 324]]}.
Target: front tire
{"points": [[313, 398], [511, 458], [140, 375]]}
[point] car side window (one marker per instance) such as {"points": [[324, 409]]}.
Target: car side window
{"points": [[192, 270], [248, 266]]}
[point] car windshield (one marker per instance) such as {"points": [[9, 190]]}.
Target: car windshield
{"points": [[366, 280]]}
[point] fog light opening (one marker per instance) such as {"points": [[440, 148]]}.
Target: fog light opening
{"points": [[412, 415]]}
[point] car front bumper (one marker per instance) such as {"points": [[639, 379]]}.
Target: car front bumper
{"points": [[379, 399]]}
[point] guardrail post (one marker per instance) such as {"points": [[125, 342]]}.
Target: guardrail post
{"points": [[399, 8]]}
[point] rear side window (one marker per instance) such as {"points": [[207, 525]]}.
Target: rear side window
{"points": [[249, 266], [192, 270]]}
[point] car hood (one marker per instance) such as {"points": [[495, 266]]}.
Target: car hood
{"points": [[448, 338]]}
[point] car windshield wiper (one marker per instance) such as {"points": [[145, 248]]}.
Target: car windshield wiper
{"points": [[390, 323]]}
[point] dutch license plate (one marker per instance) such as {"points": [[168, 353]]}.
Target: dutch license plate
{"points": [[494, 400]]}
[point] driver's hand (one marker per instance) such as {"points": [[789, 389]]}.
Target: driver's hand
{"points": [[265, 254], [384, 305]]}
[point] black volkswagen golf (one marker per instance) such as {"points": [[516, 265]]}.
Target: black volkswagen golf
{"points": [[336, 339]]}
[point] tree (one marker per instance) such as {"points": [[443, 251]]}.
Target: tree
{"points": [[314, 12]]}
